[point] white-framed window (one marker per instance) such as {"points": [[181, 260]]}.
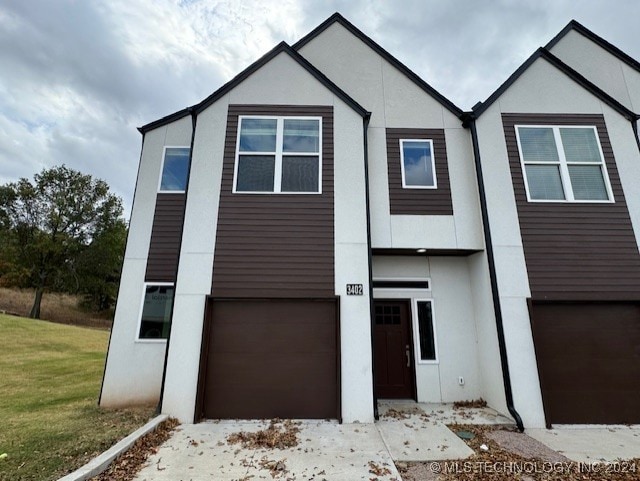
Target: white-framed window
{"points": [[563, 164], [279, 155], [425, 326], [174, 173], [417, 163], [155, 311]]}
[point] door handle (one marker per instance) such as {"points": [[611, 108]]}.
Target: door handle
{"points": [[408, 353]]}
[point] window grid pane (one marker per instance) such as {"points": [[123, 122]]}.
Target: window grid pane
{"points": [[299, 174], [580, 145], [544, 182], [587, 182], [301, 136], [258, 135], [417, 164], [255, 173], [538, 144], [425, 328]]}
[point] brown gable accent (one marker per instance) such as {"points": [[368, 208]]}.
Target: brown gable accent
{"points": [[275, 245], [575, 251], [418, 201], [164, 250]]}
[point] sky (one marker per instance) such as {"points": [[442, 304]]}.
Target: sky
{"points": [[78, 76]]}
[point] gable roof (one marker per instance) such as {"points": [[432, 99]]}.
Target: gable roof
{"points": [[609, 47], [282, 47], [542, 52], [337, 18]]}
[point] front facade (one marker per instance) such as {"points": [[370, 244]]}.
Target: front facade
{"points": [[327, 230]]}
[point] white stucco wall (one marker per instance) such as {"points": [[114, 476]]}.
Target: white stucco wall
{"points": [[195, 268], [600, 67], [397, 102], [455, 324], [541, 89], [280, 82], [133, 371]]}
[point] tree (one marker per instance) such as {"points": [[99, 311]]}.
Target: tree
{"points": [[49, 226]]}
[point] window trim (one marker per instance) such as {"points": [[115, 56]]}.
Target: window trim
{"points": [[164, 156], [565, 179], [433, 166], [145, 284], [278, 154], [416, 327]]}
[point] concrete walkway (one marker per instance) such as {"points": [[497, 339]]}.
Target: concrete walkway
{"points": [[327, 450]]}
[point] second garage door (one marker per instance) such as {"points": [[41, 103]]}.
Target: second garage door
{"points": [[589, 361], [270, 358]]}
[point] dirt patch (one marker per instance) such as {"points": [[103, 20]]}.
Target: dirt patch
{"points": [[504, 455], [127, 465], [474, 403], [278, 435]]}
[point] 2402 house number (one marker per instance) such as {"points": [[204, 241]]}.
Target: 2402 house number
{"points": [[354, 289]]}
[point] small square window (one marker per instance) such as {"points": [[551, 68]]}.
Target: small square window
{"points": [[563, 164], [175, 169], [417, 164], [156, 312], [426, 331], [278, 155]]}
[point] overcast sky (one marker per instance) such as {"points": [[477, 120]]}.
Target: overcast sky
{"points": [[78, 76]]}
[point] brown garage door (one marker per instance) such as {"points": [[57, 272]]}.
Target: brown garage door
{"points": [[589, 361], [270, 358]]}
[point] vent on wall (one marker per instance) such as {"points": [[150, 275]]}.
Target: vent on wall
{"points": [[387, 284]]}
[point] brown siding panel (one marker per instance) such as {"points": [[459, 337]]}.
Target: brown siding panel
{"points": [[575, 251], [166, 234], [418, 201], [275, 245]]}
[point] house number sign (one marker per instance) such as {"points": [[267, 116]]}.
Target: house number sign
{"points": [[354, 289]]}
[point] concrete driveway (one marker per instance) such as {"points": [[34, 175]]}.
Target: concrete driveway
{"points": [[589, 444], [326, 450]]}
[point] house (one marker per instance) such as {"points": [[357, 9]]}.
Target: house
{"points": [[326, 230]]}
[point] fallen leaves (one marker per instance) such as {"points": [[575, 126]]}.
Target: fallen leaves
{"points": [[127, 465], [474, 403], [278, 435]]}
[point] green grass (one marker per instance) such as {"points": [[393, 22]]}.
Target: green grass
{"points": [[50, 377]]}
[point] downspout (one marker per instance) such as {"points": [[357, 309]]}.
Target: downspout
{"points": [[194, 118], [365, 126], [470, 121]]}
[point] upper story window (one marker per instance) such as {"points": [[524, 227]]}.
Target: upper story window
{"points": [[417, 164], [175, 169], [563, 164], [278, 155]]}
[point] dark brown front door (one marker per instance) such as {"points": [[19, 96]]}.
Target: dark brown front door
{"points": [[589, 361], [393, 355]]}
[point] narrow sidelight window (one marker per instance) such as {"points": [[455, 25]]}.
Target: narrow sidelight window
{"points": [[175, 169], [563, 164], [417, 164], [426, 331], [155, 319]]}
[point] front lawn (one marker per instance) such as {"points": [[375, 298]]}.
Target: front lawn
{"points": [[50, 377]]}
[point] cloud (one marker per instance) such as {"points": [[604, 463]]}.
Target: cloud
{"points": [[77, 77]]}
